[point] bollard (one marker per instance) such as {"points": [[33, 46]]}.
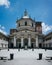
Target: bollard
{"points": [[40, 56], [11, 56], [1, 58], [51, 58]]}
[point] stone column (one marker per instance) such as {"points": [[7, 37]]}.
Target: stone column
{"points": [[29, 41], [37, 41], [22, 42], [14, 41]]}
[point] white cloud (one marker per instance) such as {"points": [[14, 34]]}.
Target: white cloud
{"points": [[2, 30], [46, 28], [6, 3], [3, 27]]}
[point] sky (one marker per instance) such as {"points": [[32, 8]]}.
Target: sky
{"points": [[11, 10]]}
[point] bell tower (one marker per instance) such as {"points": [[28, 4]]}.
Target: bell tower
{"points": [[38, 27]]}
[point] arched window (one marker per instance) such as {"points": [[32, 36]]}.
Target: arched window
{"points": [[32, 40], [25, 23], [25, 42]]}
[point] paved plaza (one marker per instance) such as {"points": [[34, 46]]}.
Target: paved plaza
{"points": [[26, 57]]}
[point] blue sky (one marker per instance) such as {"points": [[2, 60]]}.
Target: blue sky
{"points": [[10, 10]]}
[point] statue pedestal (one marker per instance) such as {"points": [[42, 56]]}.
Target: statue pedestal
{"points": [[25, 47]]}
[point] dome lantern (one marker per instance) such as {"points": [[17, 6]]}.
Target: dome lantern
{"points": [[25, 14]]}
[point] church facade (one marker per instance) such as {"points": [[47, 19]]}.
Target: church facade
{"points": [[28, 33]]}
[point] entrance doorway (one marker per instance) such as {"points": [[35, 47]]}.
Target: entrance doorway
{"points": [[18, 43], [11, 46], [33, 45], [26, 43], [40, 45]]}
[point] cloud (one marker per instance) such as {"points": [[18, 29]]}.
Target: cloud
{"points": [[2, 27], [2, 30], [46, 28], [5, 3]]}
